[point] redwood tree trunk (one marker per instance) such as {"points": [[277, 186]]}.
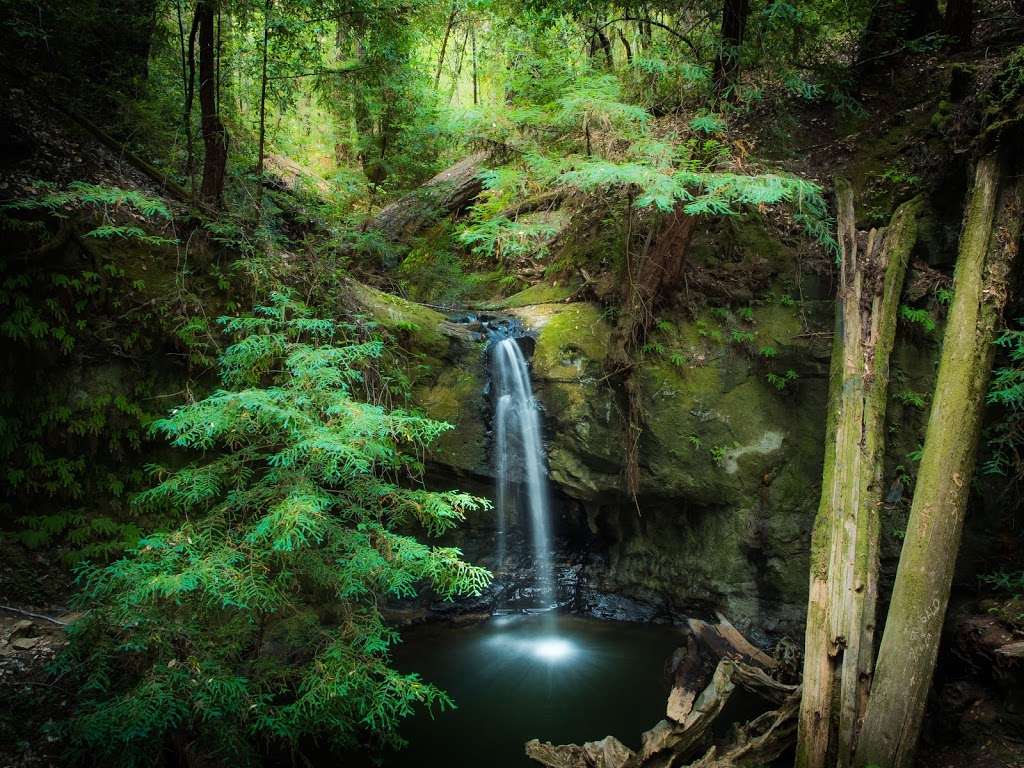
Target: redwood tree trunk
{"points": [[839, 647], [215, 136], [958, 22], [906, 657], [263, 106], [727, 60], [890, 25]]}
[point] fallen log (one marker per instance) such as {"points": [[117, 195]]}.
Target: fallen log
{"points": [[726, 641], [609, 752], [759, 741], [697, 699], [450, 191]]}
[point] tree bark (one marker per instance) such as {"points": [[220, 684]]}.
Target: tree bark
{"points": [[444, 45], [958, 22], [188, 81], [190, 93], [475, 86], [727, 60], [906, 658], [626, 47], [838, 648], [215, 136], [599, 42], [268, 6]]}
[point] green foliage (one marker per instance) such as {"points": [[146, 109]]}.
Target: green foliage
{"points": [[1004, 581], [781, 381], [73, 410], [80, 193], [1005, 439], [919, 317], [708, 123], [256, 620], [718, 454], [737, 336], [106, 201], [913, 399]]}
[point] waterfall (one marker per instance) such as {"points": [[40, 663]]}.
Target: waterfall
{"points": [[519, 455]]}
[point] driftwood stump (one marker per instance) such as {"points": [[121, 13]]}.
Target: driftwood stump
{"points": [[715, 662]]}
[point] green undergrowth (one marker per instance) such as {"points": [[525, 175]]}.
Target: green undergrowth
{"points": [[105, 323], [254, 621]]}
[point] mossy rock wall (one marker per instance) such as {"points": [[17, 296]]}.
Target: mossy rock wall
{"points": [[730, 464]]}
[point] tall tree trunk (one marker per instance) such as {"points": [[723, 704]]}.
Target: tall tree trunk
{"points": [[475, 94], [890, 25], [188, 84], [458, 67], [958, 22], [215, 137], [626, 47], [444, 45], [268, 6], [838, 650], [190, 94], [910, 642], [599, 42], [727, 60]]}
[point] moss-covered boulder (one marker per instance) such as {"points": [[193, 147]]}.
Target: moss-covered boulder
{"points": [[445, 365]]}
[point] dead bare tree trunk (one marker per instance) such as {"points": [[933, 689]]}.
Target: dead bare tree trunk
{"points": [[700, 694], [910, 642], [838, 649]]}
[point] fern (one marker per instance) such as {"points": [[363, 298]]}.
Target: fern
{"points": [[919, 317]]}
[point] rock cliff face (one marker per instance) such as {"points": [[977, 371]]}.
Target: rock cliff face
{"points": [[729, 462]]}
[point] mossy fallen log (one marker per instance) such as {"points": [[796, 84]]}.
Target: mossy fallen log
{"points": [[450, 191]]}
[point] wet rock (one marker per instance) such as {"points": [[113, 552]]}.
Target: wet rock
{"points": [[20, 628]]}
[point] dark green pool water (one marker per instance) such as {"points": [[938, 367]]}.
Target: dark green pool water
{"points": [[557, 678]]}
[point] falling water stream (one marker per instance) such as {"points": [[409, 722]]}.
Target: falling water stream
{"points": [[519, 456]]}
